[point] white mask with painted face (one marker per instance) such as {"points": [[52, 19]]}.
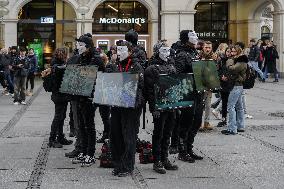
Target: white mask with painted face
{"points": [[81, 46], [122, 52], [164, 53], [193, 37]]}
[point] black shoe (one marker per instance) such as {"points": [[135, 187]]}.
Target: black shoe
{"points": [[169, 165], [276, 80], [78, 159], [64, 141], [124, 174], [240, 130], [55, 144], [173, 150], [226, 132], [159, 168], [263, 80], [222, 124], [72, 154], [186, 158], [195, 156], [115, 172]]}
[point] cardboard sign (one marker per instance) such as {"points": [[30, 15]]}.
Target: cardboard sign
{"points": [[174, 91], [79, 80], [116, 89], [205, 75]]}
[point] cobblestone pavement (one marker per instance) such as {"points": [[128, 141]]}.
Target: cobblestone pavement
{"points": [[254, 159]]}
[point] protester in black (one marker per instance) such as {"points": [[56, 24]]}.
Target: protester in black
{"points": [[124, 121], [32, 62], [57, 138], [84, 110], [191, 118], [164, 121]]}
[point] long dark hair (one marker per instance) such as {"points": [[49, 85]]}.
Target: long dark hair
{"points": [[60, 54]]}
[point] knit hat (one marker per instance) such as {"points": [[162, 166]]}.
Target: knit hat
{"points": [[132, 37]]}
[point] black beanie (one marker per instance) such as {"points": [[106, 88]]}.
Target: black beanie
{"points": [[132, 37], [87, 40]]}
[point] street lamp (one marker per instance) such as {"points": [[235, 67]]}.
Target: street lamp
{"points": [[3, 11]]}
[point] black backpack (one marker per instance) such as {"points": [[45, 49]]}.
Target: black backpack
{"points": [[48, 83], [250, 78]]}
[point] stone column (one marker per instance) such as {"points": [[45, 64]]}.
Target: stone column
{"points": [[278, 38], [175, 21], [153, 25], [87, 26], [254, 29], [10, 32]]}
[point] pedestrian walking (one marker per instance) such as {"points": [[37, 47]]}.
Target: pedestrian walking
{"points": [[32, 69], [270, 56]]}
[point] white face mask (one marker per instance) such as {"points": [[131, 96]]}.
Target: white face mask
{"points": [[193, 38], [122, 52], [81, 46], [164, 53]]}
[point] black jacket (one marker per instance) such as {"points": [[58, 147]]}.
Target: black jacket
{"points": [[158, 66], [58, 69], [254, 53], [270, 56], [20, 71], [135, 68], [184, 58], [226, 86]]}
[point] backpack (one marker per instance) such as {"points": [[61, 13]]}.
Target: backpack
{"points": [[48, 83], [250, 78]]}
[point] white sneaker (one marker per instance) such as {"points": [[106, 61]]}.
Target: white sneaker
{"points": [[23, 103], [247, 116], [16, 103], [216, 114], [7, 94]]}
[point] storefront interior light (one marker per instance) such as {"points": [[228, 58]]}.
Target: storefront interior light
{"points": [[112, 8]]}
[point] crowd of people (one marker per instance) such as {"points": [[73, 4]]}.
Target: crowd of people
{"points": [[17, 70], [174, 129]]}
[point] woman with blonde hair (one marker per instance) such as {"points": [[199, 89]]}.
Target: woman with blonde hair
{"points": [[237, 69]]}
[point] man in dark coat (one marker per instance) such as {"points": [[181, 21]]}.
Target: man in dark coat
{"points": [[191, 118], [270, 56]]}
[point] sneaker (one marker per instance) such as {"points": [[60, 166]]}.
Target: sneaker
{"points": [[216, 114], [185, 158], [79, 159], [247, 116], [173, 150], [124, 174], [72, 154], [102, 140], [159, 167], [169, 165], [275, 81], [226, 132], [23, 103], [16, 103], [7, 94], [55, 144], [88, 161], [195, 156]]}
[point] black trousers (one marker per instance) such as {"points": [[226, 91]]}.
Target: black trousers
{"points": [[224, 97], [123, 137], [191, 120], [163, 127], [86, 115], [31, 79], [2, 79], [71, 121], [105, 115], [58, 121], [175, 133]]}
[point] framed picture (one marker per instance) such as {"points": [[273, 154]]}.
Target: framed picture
{"points": [[116, 89], [174, 91], [79, 80]]}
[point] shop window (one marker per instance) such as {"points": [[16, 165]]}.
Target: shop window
{"points": [[120, 16], [211, 21]]}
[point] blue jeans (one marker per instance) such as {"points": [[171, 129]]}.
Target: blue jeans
{"points": [[254, 65], [10, 82], [236, 110], [274, 70]]}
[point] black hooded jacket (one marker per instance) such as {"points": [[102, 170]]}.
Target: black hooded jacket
{"points": [[157, 67], [184, 57]]}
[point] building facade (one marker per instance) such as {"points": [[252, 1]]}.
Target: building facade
{"points": [[108, 20]]}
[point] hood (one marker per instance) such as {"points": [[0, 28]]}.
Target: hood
{"points": [[241, 59]]}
